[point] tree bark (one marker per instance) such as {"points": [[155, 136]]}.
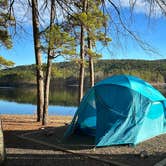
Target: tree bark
{"points": [[46, 91], [91, 64], [82, 54], [82, 68], [38, 58], [48, 70]]}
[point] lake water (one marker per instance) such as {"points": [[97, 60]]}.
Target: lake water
{"points": [[63, 101]]}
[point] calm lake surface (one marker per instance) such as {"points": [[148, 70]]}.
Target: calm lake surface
{"points": [[63, 100]]}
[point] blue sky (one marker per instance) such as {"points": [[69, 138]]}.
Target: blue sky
{"points": [[153, 32]]}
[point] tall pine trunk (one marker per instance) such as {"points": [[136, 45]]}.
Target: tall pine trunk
{"points": [[91, 64], [48, 70], [46, 91], [82, 68], [82, 54], [39, 72]]}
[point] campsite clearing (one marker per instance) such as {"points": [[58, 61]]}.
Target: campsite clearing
{"points": [[31, 153]]}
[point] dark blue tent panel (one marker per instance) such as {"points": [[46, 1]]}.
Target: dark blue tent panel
{"points": [[121, 109]]}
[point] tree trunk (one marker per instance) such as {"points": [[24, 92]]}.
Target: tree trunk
{"points": [[82, 54], [46, 91], [48, 70], [82, 68], [91, 64], [39, 72]]}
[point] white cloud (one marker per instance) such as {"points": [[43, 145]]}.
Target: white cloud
{"points": [[23, 13], [142, 6]]}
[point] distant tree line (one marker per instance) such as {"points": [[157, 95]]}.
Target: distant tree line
{"points": [[65, 73]]}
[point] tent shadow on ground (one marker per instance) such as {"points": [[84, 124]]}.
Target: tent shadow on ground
{"points": [[51, 135]]}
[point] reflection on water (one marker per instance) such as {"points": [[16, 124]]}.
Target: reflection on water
{"points": [[59, 96], [63, 100]]}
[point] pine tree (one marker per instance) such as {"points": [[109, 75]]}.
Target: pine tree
{"points": [[49, 64], [56, 42], [91, 21], [95, 23], [5, 38], [5, 63], [37, 48]]}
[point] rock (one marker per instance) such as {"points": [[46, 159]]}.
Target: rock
{"points": [[94, 149], [144, 154]]}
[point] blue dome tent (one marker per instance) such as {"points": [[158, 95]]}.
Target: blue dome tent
{"points": [[121, 109]]}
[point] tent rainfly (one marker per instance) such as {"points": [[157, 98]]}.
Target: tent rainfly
{"points": [[121, 109]]}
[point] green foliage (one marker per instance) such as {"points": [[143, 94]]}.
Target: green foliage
{"points": [[4, 62], [18, 75], [5, 38], [56, 72], [59, 42], [93, 54], [94, 21], [67, 72], [151, 71], [144, 74]]}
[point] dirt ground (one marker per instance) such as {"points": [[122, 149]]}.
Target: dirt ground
{"points": [[22, 152]]}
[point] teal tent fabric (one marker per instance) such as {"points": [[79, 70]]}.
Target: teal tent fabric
{"points": [[121, 109]]}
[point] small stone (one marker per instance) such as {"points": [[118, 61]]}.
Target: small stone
{"points": [[94, 149], [42, 128], [144, 154]]}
